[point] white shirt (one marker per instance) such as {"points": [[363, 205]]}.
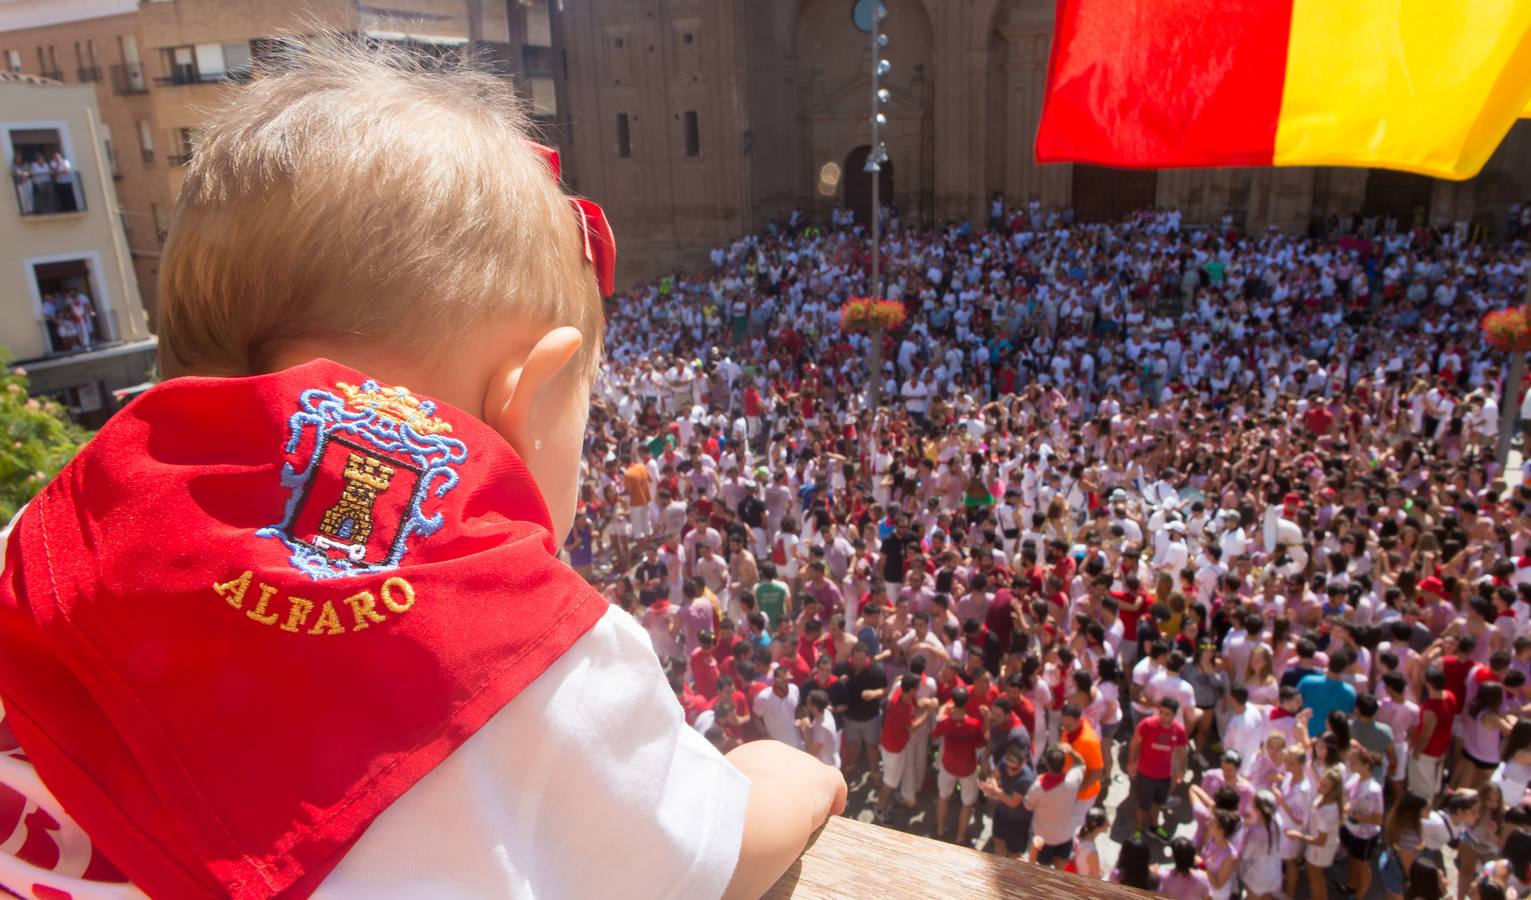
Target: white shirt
{"points": [[779, 715], [594, 751]]}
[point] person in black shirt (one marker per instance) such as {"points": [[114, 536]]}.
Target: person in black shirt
{"points": [[858, 704], [1007, 787], [752, 509], [894, 548], [652, 577]]}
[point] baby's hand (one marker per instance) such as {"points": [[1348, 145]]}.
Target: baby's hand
{"points": [[791, 795]]}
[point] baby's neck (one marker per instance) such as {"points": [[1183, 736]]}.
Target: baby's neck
{"points": [[450, 383]]}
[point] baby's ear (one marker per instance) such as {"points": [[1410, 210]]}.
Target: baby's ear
{"points": [[514, 388]]}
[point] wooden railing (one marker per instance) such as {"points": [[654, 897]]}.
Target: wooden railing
{"points": [[847, 858]]}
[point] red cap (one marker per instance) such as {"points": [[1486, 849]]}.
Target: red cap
{"points": [[1434, 586], [1292, 500]]}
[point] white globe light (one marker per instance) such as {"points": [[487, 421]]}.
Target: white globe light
{"points": [[883, 96], [884, 67]]}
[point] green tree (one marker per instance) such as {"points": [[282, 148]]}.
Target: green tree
{"points": [[36, 439]]}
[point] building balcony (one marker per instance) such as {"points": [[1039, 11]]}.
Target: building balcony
{"points": [[46, 200], [184, 74], [54, 74], [89, 73], [128, 78]]}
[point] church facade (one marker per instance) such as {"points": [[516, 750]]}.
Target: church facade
{"points": [[691, 120]]}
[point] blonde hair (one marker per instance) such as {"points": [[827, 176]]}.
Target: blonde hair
{"points": [[367, 195]]}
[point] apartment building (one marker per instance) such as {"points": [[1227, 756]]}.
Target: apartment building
{"points": [[70, 311], [157, 66]]}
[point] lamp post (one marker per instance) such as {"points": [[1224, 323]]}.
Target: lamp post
{"points": [[1509, 398], [873, 167]]}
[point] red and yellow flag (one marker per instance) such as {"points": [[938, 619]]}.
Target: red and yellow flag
{"points": [[1428, 86]]}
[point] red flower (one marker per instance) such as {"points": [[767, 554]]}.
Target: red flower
{"points": [[863, 315], [1508, 329]]}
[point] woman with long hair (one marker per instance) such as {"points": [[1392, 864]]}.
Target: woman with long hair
{"points": [[1132, 865], [1483, 839], [1209, 684], [1402, 839], [1260, 849], [1426, 881], [1514, 773], [1363, 817], [1217, 853], [1108, 700], [1261, 682], [1184, 881], [1086, 859], [1483, 731], [1322, 833]]}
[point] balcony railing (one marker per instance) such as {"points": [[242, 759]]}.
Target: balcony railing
{"points": [[847, 856], [44, 199], [148, 155], [128, 78], [55, 74], [89, 73], [187, 73]]}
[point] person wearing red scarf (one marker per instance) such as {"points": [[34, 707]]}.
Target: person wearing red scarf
{"points": [[294, 618]]}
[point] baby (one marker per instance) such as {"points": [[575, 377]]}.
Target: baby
{"points": [[293, 622]]}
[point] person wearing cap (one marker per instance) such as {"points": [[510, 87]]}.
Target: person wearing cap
{"points": [[1174, 555]]}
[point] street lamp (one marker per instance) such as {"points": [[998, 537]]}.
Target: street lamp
{"points": [[876, 158]]}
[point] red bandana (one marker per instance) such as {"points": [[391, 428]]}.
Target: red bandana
{"points": [[254, 612]]}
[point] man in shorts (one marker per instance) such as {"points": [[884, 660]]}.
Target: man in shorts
{"points": [[1051, 800], [962, 727], [1156, 763], [1008, 787]]}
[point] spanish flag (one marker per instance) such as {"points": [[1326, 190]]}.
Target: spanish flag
{"points": [[1427, 86]]}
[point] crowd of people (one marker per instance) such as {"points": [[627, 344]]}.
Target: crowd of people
{"points": [[45, 185], [1214, 515]]}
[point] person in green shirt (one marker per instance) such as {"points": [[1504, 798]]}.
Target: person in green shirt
{"points": [[772, 596]]}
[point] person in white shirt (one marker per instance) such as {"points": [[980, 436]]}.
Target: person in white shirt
{"points": [[821, 734], [777, 709], [1169, 684]]}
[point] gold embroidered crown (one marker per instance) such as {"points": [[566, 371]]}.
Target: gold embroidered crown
{"points": [[396, 404]]}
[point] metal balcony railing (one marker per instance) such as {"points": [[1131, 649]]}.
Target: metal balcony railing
{"points": [[128, 78]]}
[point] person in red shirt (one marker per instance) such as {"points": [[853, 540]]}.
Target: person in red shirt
{"points": [[904, 714], [1433, 737], [808, 649], [1318, 419], [965, 733], [1015, 689], [727, 641], [1156, 762], [1131, 604], [704, 667]]}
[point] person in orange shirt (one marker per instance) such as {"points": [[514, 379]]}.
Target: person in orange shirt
{"points": [[1081, 735], [639, 484]]}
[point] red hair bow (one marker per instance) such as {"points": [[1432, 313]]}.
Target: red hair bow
{"points": [[600, 243]]}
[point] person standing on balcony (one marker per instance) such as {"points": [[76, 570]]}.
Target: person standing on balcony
{"points": [[51, 321], [61, 173], [21, 176], [83, 312], [43, 198]]}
